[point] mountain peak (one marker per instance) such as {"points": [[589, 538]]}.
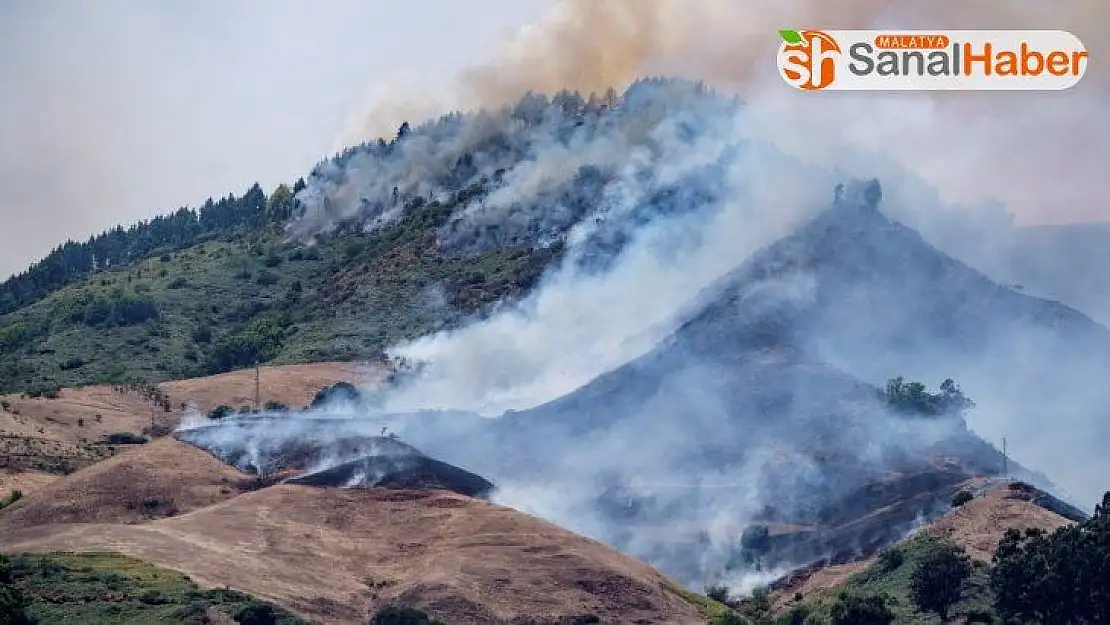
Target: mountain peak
{"points": [[858, 195]]}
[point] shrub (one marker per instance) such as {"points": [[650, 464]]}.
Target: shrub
{"points": [[72, 363], [12, 497], [178, 283], [717, 593], [256, 613], [267, 278], [13, 607], [340, 391], [961, 498], [726, 618], [221, 411], [275, 406], [203, 334], [935, 583], [402, 616], [125, 438], [861, 610], [890, 559], [152, 597]]}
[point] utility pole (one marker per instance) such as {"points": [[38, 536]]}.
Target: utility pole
{"points": [[257, 386], [1005, 460]]}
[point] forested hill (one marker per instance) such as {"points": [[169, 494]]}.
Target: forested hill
{"points": [[386, 241], [73, 261]]}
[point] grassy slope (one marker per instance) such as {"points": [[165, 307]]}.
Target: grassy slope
{"points": [[348, 297], [894, 582], [108, 588]]}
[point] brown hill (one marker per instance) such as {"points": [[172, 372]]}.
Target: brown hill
{"points": [[292, 385], [42, 438], [160, 479], [978, 525], [339, 555]]}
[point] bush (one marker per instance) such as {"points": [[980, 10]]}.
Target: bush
{"points": [[125, 438], [402, 616], [935, 583], [861, 610], [890, 559], [340, 391], [119, 310], [12, 604], [203, 334], [221, 411], [961, 498], [267, 278], [275, 406], [12, 497], [178, 283], [717, 593], [50, 391], [256, 613], [13, 607], [152, 597], [726, 618], [72, 363]]}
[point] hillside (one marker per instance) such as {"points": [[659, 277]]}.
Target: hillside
{"points": [[223, 305], [384, 242], [339, 555], [755, 411], [975, 527], [42, 438]]}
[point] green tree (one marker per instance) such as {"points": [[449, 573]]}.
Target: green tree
{"points": [[853, 609], [936, 581], [961, 498], [1055, 578], [279, 207], [12, 604]]}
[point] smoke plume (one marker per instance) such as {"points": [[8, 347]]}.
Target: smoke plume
{"points": [[1039, 153]]}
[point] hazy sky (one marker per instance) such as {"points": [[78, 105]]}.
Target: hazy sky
{"points": [[114, 110]]}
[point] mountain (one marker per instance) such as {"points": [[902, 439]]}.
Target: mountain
{"points": [[763, 407]]}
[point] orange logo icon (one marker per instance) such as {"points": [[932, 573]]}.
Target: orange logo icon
{"points": [[807, 59]]}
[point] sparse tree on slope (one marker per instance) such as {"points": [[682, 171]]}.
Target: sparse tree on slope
{"points": [[936, 582], [1055, 578]]}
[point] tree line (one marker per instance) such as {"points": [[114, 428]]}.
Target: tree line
{"points": [[72, 261]]}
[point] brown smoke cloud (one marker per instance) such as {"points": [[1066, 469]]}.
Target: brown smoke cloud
{"points": [[1038, 152]]}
